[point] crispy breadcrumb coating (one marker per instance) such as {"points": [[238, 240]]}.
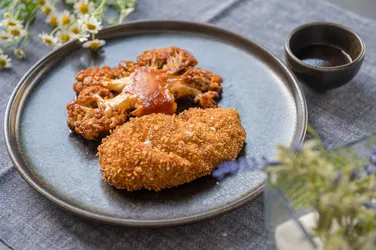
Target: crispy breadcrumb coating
{"points": [[160, 151]]}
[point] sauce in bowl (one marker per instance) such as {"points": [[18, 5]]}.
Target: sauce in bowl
{"points": [[323, 56]]}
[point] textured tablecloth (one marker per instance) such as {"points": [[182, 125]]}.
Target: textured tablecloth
{"points": [[29, 221]]}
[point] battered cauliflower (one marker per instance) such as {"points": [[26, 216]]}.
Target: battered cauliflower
{"points": [[96, 111], [170, 60], [105, 96], [95, 76]]}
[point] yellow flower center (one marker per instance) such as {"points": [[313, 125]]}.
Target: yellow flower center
{"points": [[15, 32], [94, 45], [19, 53], [65, 20], [84, 8], [4, 37], [11, 23], [48, 40], [75, 30], [2, 63], [53, 21], [64, 38], [46, 10], [91, 26], [41, 2]]}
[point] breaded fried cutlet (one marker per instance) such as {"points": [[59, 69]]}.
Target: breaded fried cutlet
{"points": [[161, 151]]}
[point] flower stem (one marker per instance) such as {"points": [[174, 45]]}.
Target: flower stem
{"points": [[30, 18], [8, 46], [22, 42], [123, 14], [18, 13], [100, 7], [124, 10], [11, 9], [54, 31]]}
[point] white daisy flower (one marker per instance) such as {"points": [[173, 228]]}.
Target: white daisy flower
{"points": [[6, 23], [47, 8], [5, 61], [65, 18], [65, 36], [83, 7], [16, 31], [19, 53], [94, 44], [52, 18], [75, 28], [49, 40], [82, 37], [90, 24], [4, 35]]}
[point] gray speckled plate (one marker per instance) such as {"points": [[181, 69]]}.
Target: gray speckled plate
{"points": [[64, 168]]}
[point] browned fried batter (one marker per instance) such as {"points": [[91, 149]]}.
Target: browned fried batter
{"points": [[203, 85], [162, 151], [92, 115], [171, 60], [94, 76], [106, 96]]}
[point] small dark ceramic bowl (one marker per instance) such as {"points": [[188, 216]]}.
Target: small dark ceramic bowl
{"points": [[325, 34]]}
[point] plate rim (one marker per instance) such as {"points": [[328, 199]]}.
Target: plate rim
{"points": [[12, 147]]}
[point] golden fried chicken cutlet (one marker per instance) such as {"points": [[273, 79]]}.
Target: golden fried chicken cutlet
{"points": [[106, 96], [161, 151]]}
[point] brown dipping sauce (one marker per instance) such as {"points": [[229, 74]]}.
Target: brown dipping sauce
{"points": [[323, 56], [151, 89]]}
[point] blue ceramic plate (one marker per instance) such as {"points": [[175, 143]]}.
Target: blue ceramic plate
{"points": [[64, 168]]}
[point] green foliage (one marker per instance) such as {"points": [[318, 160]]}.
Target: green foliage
{"points": [[338, 184], [80, 20], [124, 7], [26, 10], [5, 4]]}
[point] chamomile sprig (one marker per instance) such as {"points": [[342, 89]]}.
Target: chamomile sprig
{"points": [[81, 20]]}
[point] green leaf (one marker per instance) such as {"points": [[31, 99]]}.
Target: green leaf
{"points": [[5, 4]]}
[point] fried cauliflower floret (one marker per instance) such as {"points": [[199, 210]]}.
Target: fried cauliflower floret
{"points": [[162, 151], [96, 112], [149, 86], [203, 80], [95, 76], [143, 92], [156, 91], [202, 85], [171, 60]]}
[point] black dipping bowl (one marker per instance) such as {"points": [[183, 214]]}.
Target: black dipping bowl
{"points": [[324, 34]]}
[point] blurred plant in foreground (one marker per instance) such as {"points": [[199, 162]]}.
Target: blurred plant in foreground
{"points": [[79, 20], [339, 185]]}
